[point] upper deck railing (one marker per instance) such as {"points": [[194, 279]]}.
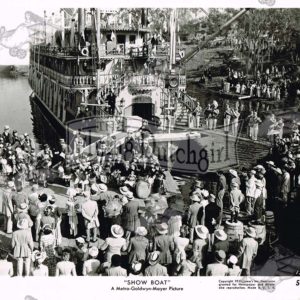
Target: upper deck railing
{"points": [[82, 80], [113, 50]]}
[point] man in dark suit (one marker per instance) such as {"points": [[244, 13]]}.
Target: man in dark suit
{"points": [[211, 213]]}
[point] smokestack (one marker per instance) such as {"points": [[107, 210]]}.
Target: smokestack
{"points": [[62, 15], [81, 38]]}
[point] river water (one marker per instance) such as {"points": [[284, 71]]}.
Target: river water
{"points": [[22, 114]]}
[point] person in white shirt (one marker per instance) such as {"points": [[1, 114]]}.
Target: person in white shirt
{"points": [[250, 192], [91, 266], [233, 269]]}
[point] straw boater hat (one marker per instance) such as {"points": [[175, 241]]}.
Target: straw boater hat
{"points": [[117, 231], [102, 187], [271, 163], [220, 255], [136, 267], [250, 231], [23, 207], [162, 228], [201, 231], [80, 240], [195, 198], [94, 188], [124, 190], [38, 256], [141, 231], [93, 251], [277, 170], [233, 172], [129, 196], [215, 103], [232, 260], [259, 167], [220, 235], [154, 258], [22, 224], [205, 193]]}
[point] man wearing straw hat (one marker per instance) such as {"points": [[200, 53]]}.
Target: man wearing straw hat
{"points": [[250, 192], [221, 242], [248, 250], [218, 268], [192, 215], [22, 244], [91, 266], [236, 198], [155, 268], [200, 247], [90, 214], [209, 214]]}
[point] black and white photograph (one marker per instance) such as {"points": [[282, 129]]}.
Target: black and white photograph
{"points": [[145, 142]]}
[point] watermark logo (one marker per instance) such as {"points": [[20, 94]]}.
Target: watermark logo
{"points": [[267, 2], [32, 31], [195, 151], [28, 297]]}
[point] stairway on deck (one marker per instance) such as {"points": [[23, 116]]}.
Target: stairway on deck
{"points": [[181, 116]]}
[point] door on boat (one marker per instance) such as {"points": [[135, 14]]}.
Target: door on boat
{"points": [[143, 110], [121, 40]]}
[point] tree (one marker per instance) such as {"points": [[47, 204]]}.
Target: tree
{"points": [[264, 34]]}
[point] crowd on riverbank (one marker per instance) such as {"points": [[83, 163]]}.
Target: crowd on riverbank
{"points": [[121, 216]]}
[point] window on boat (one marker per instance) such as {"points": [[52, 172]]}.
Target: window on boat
{"points": [[132, 39]]}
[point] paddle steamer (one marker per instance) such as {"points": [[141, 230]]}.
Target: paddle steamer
{"points": [[88, 53]]}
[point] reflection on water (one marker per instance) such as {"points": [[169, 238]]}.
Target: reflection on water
{"points": [[21, 114], [43, 130]]}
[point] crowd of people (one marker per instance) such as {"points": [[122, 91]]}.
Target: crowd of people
{"points": [[120, 214], [273, 84]]}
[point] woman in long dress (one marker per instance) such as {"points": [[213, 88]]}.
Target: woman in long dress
{"points": [[72, 211]]}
